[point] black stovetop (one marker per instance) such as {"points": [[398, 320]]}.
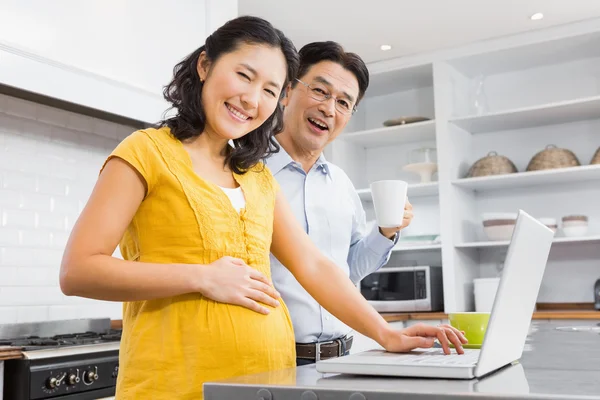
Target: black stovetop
{"points": [[75, 339]]}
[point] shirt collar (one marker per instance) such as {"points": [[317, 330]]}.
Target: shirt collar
{"points": [[322, 163], [278, 161]]}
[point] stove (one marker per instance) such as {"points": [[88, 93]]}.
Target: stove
{"points": [[72, 359]]}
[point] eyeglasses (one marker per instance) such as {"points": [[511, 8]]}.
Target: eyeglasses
{"points": [[320, 93]]}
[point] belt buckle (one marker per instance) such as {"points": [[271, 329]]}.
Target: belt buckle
{"points": [[318, 349]]}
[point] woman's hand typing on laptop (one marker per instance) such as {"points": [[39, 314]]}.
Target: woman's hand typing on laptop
{"points": [[423, 335]]}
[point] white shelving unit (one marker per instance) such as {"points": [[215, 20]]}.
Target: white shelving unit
{"points": [[415, 132], [586, 173], [514, 96], [557, 240], [529, 117]]}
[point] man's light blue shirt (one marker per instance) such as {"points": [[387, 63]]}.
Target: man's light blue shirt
{"points": [[327, 206]]}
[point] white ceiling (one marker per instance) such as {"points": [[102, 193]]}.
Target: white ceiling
{"points": [[411, 26]]}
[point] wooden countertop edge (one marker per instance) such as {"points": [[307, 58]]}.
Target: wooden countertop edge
{"points": [[9, 353], [116, 324], [593, 315]]}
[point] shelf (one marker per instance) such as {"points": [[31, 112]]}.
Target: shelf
{"points": [[384, 81], [557, 240], [414, 190], [417, 247], [409, 133], [532, 55], [530, 117], [534, 178]]}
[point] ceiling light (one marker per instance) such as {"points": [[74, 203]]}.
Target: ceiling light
{"points": [[386, 47], [537, 16]]}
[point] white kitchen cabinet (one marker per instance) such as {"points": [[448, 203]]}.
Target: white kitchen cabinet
{"points": [[110, 55], [538, 89]]}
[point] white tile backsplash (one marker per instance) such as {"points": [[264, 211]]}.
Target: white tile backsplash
{"points": [[8, 315], [36, 202], [53, 186], [17, 219], [47, 257], [9, 237], [13, 180], [37, 276], [32, 313], [10, 198], [34, 238], [49, 163], [11, 256]]}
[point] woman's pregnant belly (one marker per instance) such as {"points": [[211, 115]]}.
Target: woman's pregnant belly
{"points": [[188, 340]]}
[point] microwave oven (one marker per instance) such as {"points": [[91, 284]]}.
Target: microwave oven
{"points": [[404, 289]]}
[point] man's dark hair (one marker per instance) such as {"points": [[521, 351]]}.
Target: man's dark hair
{"points": [[316, 52]]}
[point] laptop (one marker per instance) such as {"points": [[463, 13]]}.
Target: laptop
{"points": [[507, 329]]}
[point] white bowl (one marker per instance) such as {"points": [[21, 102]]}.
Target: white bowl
{"points": [[499, 226], [575, 231], [499, 232], [575, 223]]}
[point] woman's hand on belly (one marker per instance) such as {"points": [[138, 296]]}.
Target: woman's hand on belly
{"points": [[230, 280]]}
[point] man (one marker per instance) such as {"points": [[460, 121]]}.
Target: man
{"points": [[318, 105]]}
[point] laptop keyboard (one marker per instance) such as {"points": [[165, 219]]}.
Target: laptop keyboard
{"points": [[432, 357], [437, 357]]}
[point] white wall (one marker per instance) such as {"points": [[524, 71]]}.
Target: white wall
{"points": [[49, 162], [113, 55]]}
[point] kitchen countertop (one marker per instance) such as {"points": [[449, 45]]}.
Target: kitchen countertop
{"points": [[556, 364]]}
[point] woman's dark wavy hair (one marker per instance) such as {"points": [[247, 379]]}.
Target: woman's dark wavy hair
{"points": [[184, 92]]}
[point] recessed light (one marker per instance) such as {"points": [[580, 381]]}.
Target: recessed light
{"points": [[537, 16], [386, 47]]}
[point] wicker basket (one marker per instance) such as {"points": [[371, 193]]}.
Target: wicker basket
{"points": [[492, 164], [596, 158], [552, 157]]}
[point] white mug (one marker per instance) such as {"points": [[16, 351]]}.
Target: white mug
{"points": [[389, 199]]}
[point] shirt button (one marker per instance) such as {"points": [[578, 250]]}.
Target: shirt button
{"points": [[327, 318]]}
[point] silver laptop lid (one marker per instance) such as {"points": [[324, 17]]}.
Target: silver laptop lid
{"points": [[517, 294]]}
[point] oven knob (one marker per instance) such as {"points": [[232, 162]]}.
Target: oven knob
{"points": [[90, 376], [73, 379], [51, 383]]}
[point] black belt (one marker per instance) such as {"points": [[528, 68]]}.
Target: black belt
{"points": [[324, 350]]}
